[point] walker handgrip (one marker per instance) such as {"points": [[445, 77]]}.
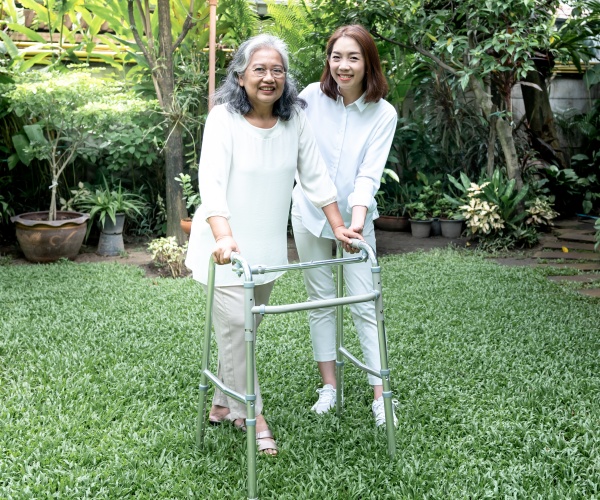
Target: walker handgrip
{"points": [[365, 247], [240, 266]]}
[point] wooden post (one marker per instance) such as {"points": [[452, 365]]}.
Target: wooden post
{"points": [[212, 51]]}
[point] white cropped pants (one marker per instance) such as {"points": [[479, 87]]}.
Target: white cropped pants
{"points": [[320, 284]]}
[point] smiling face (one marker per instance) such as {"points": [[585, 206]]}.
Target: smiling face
{"points": [[263, 91], [347, 66]]}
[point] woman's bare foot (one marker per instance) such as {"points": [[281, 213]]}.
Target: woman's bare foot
{"points": [[218, 414]]}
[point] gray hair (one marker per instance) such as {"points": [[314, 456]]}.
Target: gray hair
{"points": [[231, 93]]}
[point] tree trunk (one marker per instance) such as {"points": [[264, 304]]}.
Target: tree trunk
{"points": [[503, 129], [165, 78], [505, 136], [540, 118]]}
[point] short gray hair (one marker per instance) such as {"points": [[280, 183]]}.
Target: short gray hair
{"points": [[231, 93]]}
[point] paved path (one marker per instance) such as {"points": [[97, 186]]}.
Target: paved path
{"points": [[570, 245]]}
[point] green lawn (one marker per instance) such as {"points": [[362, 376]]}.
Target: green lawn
{"points": [[497, 371]]}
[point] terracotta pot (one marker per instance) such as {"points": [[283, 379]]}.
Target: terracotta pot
{"points": [[42, 240], [186, 225], [392, 223]]}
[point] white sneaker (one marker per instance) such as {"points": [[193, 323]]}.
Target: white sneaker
{"points": [[379, 411], [326, 399]]}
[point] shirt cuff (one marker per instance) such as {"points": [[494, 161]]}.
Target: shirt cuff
{"points": [[369, 202], [205, 213]]}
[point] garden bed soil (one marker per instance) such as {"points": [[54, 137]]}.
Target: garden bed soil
{"points": [[137, 254]]}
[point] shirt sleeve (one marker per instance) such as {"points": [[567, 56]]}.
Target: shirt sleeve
{"points": [[368, 176], [215, 164], [312, 172]]}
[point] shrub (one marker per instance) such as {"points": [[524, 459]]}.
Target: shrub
{"points": [[166, 252]]}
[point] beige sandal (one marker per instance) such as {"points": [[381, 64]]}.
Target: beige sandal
{"points": [[265, 441]]}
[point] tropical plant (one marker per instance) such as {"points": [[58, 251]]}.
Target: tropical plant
{"points": [[540, 211], [296, 23], [64, 112], [104, 201], [5, 210], [417, 210], [191, 196], [493, 211]]}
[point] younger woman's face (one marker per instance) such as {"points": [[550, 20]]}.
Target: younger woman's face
{"points": [[347, 66]]}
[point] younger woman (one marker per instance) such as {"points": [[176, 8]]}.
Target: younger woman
{"points": [[354, 127]]}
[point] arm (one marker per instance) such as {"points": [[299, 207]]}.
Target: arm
{"points": [[213, 176], [370, 170]]}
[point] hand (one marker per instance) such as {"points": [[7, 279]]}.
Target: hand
{"points": [[357, 228], [222, 250], [344, 235]]}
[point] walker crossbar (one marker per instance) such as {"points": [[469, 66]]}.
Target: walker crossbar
{"points": [[309, 265], [240, 266], [357, 363], [315, 304]]}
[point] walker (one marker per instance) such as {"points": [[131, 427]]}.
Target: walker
{"points": [[240, 266]]}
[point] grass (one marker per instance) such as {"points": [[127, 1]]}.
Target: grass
{"points": [[496, 370]]}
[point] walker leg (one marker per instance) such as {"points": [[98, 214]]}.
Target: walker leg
{"points": [[200, 420], [339, 363], [385, 371], [250, 395]]}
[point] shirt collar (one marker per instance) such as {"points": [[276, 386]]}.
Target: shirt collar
{"points": [[360, 102]]}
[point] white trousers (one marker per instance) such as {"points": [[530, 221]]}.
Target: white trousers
{"points": [[228, 322], [320, 284]]}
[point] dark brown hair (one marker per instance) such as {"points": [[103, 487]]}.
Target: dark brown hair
{"points": [[374, 82]]}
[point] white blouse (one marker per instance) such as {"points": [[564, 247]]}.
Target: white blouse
{"points": [[355, 141], [246, 174]]}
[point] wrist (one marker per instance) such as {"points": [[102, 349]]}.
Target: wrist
{"points": [[222, 236]]}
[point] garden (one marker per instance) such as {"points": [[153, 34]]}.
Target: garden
{"points": [[102, 107]]}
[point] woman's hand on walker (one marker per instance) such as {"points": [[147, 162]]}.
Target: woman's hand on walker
{"points": [[223, 248], [344, 234]]}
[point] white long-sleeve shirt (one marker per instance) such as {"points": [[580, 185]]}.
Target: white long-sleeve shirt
{"points": [[354, 141], [246, 174]]}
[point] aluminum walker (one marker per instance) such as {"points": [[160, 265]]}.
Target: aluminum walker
{"points": [[240, 266]]}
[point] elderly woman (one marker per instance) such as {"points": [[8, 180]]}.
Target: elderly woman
{"points": [[354, 127], [256, 141]]}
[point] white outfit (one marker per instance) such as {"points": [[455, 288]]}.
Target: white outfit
{"points": [[246, 174], [355, 141]]}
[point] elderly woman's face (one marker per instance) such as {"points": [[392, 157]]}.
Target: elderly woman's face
{"points": [[264, 78]]}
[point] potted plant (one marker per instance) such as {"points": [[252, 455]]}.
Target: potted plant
{"points": [[391, 203], [110, 206], [191, 198], [420, 219], [64, 112], [451, 219]]}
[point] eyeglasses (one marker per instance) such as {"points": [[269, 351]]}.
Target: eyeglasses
{"points": [[261, 72]]}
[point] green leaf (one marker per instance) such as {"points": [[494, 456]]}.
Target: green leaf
{"points": [[21, 144], [29, 33]]}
